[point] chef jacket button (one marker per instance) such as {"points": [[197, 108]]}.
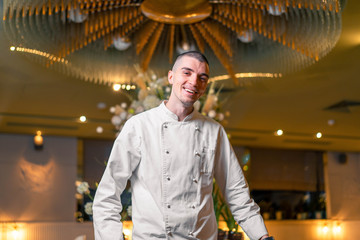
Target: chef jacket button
{"points": [[193, 206], [168, 178], [165, 126], [197, 128], [197, 153], [167, 152], [191, 234], [195, 180], [168, 205], [168, 233]]}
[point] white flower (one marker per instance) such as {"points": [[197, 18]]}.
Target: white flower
{"points": [[221, 116], [88, 208], [123, 115], [112, 109], [139, 109], [162, 81], [116, 120], [129, 210], [123, 105], [118, 110], [135, 104], [150, 102], [212, 113], [209, 103], [83, 188], [142, 94]]}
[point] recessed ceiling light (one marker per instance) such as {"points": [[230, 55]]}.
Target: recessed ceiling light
{"points": [[99, 129], [101, 105], [331, 122], [279, 132], [82, 119], [318, 135], [116, 87]]}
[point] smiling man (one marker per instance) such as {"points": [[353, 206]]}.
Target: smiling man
{"points": [[171, 155]]}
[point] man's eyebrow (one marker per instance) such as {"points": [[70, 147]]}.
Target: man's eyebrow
{"points": [[191, 70]]}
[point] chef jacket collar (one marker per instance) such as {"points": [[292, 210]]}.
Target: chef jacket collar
{"points": [[173, 115]]}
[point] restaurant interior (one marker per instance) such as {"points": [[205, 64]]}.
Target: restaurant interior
{"points": [[284, 84]]}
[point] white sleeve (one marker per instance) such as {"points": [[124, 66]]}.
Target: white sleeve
{"points": [[232, 183], [124, 158]]}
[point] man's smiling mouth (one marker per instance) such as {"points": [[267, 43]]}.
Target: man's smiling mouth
{"points": [[190, 91]]}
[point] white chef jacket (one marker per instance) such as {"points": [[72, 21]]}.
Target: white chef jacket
{"points": [[171, 165]]}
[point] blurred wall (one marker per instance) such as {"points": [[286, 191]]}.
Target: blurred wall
{"points": [[37, 185], [342, 177]]}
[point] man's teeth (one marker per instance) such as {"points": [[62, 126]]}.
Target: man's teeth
{"points": [[188, 90]]}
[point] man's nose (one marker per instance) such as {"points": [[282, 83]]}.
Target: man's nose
{"points": [[194, 80]]}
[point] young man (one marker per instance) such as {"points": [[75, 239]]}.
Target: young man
{"points": [[171, 155]]}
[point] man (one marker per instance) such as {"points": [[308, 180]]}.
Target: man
{"points": [[171, 154]]}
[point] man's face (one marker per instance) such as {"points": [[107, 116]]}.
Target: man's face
{"points": [[189, 79]]}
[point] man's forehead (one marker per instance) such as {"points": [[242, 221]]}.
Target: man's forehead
{"points": [[190, 62]]}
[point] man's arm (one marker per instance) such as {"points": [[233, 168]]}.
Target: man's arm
{"points": [[230, 178], [124, 157]]}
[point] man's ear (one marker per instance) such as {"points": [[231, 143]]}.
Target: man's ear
{"points": [[170, 77]]}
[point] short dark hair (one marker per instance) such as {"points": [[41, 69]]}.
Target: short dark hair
{"points": [[195, 54]]}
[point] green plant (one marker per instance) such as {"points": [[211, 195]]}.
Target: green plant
{"points": [[222, 209]]}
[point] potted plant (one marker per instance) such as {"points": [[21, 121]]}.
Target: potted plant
{"points": [[222, 210]]}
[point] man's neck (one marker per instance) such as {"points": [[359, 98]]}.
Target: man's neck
{"points": [[179, 110]]}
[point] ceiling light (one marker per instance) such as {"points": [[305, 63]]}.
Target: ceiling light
{"points": [[276, 10], [77, 16], [121, 44], [279, 132], [101, 105], [82, 119], [99, 129], [318, 135], [116, 87], [246, 36], [12, 48], [288, 38], [331, 122]]}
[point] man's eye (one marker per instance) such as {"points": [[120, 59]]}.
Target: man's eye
{"points": [[187, 73]]}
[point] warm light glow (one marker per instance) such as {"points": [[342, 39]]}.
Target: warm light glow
{"points": [[128, 87], [52, 58], [15, 234], [82, 119], [246, 75], [12, 231], [337, 229], [127, 232], [325, 229], [279, 132], [245, 168], [127, 229], [38, 139], [319, 135], [116, 87]]}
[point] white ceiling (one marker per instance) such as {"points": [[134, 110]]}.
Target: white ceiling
{"points": [[36, 98]]}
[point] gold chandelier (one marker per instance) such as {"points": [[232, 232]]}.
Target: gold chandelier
{"points": [[100, 40]]}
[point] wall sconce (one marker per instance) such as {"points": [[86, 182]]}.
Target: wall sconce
{"points": [[38, 141]]}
